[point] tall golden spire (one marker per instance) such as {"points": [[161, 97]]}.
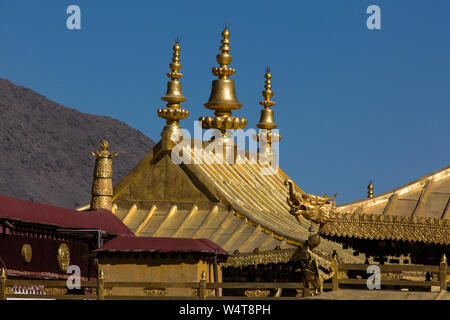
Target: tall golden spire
{"points": [[173, 112], [266, 121], [102, 189], [370, 190], [223, 96]]}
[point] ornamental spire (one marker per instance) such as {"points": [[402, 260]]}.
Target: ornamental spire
{"points": [[370, 190], [266, 122], [102, 189], [224, 58], [223, 96], [173, 112]]}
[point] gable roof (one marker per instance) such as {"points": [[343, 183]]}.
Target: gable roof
{"points": [[30, 212], [246, 210], [417, 211], [161, 245], [427, 197]]}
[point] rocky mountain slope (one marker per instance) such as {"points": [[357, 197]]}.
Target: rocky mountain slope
{"points": [[45, 148]]}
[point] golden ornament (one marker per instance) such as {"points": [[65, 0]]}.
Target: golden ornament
{"points": [[27, 253], [63, 257]]}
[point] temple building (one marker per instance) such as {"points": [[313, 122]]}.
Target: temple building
{"points": [[43, 242], [159, 259], [240, 205], [194, 209], [246, 206], [39, 241]]}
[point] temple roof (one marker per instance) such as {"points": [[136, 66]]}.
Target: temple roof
{"points": [[417, 211], [241, 206], [238, 206], [30, 212], [160, 245]]}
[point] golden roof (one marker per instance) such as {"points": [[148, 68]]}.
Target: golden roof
{"points": [[236, 206], [417, 211], [241, 206]]}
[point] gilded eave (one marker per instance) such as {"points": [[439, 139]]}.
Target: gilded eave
{"points": [[388, 227], [242, 260]]}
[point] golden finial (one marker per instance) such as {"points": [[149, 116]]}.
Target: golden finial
{"points": [[173, 112], [101, 275], [104, 152], [444, 258], [266, 121], [203, 275], [267, 93], [223, 95], [175, 66], [370, 190], [102, 189], [224, 58], [3, 273]]}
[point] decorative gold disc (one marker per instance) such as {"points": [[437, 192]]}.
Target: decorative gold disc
{"points": [[63, 257], [27, 253]]}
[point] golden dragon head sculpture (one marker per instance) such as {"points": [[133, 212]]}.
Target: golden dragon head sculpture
{"points": [[315, 208]]}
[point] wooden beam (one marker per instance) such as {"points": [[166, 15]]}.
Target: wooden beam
{"points": [[256, 285], [283, 243], [169, 215], [188, 218], [211, 214], [223, 226], [146, 220], [235, 233], [422, 199], [390, 267], [269, 239], [130, 214], [446, 209], [391, 203], [252, 237]]}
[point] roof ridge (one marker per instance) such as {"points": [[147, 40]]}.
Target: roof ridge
{"points": [[423, 178]]}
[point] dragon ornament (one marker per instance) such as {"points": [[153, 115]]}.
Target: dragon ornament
{"points": [[315, 208]]}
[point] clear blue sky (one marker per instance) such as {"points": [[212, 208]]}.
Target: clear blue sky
{"points": [[352, 103]]}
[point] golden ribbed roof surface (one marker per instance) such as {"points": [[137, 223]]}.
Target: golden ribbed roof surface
{"points": [[418, 211], [238, 206], [428, 196]]}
